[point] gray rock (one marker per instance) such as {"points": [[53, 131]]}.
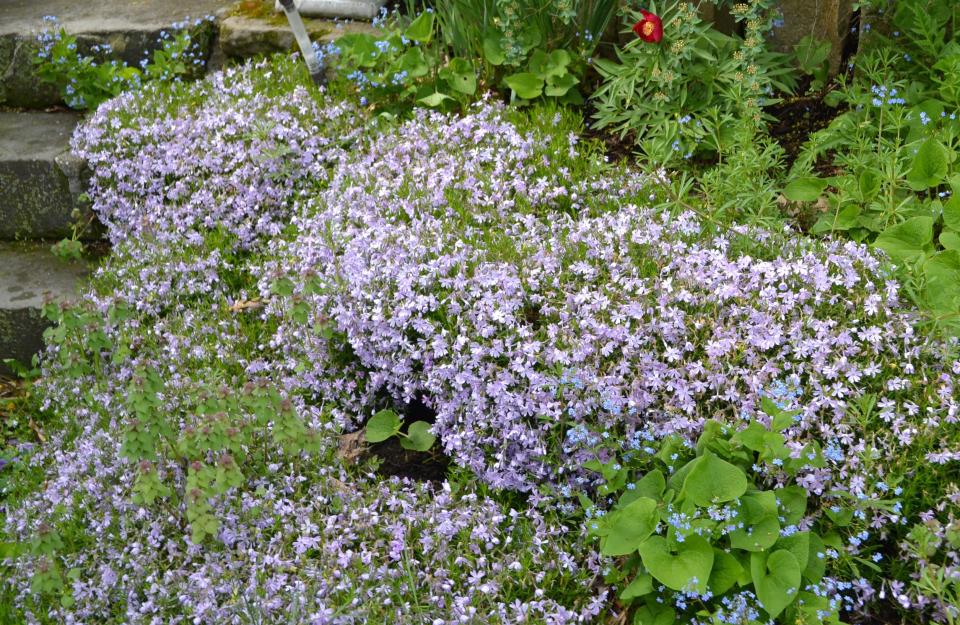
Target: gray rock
{"points": [[131, 27], [243, 37], [40, 182], [828, 20], [31, 276]]}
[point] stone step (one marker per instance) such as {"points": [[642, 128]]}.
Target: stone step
{"points": [[40, 181], [131, 27], [29, 275]]}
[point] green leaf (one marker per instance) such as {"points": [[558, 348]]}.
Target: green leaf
{"points": [[751, 437], [651, 485], [678, 568], [798, 544], [759, 513], [942, 287], [841, 517], [712, 480], [654, 614], [929, 166], [816, 560], [492, 50], [907, 240], [951, 210], [806, 189], [382, 426], [776, 578], [726, 571], [950, 240], [421, 29], [460, 76], [418, 437], [641, 585], [434, 99], [526, 85], [629, 526], [793, 503], [558, 86], [414, 63]]}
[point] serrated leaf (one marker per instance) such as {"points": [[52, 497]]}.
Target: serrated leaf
{"points": [[382, 426], [418, 437]]}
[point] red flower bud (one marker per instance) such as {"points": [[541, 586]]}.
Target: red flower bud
{"points": [[650, 28]]}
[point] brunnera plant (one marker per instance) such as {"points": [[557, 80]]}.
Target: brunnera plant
{"points": [[696, 534]]}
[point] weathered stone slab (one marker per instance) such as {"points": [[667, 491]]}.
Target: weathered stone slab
{"points": [[28, 277], [40, 182], [244, 37], [131, 27], [829, 21], [347, 9]]}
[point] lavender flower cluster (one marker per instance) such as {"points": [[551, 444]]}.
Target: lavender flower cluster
{"points": [[192, 183], [499, 273], [469, 274]]}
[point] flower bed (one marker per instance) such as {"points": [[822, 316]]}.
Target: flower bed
{"points": [[284, 267]]}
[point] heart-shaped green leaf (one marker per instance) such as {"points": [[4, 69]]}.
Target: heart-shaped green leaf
{"points": [[421, 29], [726, 571], [758, 512], [908, 240], [526, 85], [629, 526], [460, 76], [942, 288], [798, 544], [685, 567], [654, 614], [806, 189], [950, 240], [776, 578], [641, 585], [418, 437], [816, 561], [382, 426], [712, 480], [930, 165], [793, 503]]}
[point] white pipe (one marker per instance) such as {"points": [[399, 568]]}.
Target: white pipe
{"points": [[303, 40]]}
